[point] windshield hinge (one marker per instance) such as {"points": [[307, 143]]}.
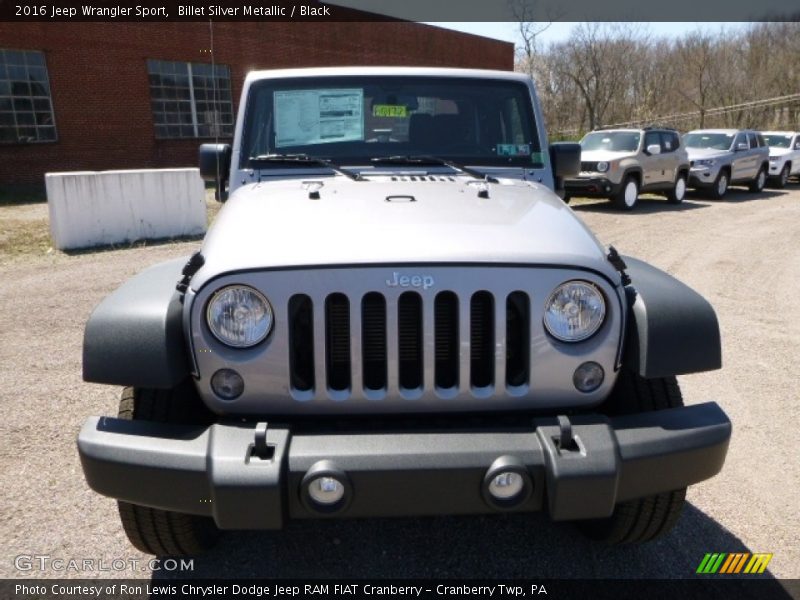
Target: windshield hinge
{"points": [[189, 269], [616, 261]]}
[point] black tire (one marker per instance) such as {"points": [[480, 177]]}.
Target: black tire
{"points": [[721, 184], [678, 191], [567, 199], [759, 182], [782, 179], [152, 530], [644, 519], [628, 195]]}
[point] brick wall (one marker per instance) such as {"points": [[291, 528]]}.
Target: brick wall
{"points": [[101, 95]]}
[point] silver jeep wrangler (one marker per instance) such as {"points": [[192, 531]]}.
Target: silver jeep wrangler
{"points": [[395, 314]]}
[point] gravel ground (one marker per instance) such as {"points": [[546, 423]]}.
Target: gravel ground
{"points": [[743, 254]]}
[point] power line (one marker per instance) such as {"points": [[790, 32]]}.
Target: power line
{"points": [[715, 111]]}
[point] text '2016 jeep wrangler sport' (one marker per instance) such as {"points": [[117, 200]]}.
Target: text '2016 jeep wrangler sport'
{"points": [[394, 314]]}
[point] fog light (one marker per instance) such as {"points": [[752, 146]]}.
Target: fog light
{"points": [[588, 377], [506, 485], [227, 384], [326, 491], [325, 488]]}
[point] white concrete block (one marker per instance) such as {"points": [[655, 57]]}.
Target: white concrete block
{"points": [[110, 207]]}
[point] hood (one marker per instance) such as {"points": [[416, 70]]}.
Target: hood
{"points": [[774, 151], [695, 153], [394, 220], [603, 155]]}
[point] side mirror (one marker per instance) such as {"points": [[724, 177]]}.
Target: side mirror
{"points": [[797, 146], [653, 149], [565, 158], [215, 165], [742, 146]]}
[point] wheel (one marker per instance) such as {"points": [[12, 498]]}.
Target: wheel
{"points": [[783, 178], [758, 183], [628, 195], [720, 187], [647, 518], [678, 191], [151, 530]]}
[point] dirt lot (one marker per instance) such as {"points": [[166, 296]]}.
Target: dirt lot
{"points": [[743, 254]]}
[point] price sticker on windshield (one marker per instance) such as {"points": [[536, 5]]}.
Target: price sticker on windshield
{"points": [[396, 111]]}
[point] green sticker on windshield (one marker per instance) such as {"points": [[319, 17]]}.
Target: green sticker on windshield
{"points": [[397, 111]]}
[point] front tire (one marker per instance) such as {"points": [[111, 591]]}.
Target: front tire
{"points": [[759, 182], [783, 178], [628, 195], [152, 530], [678, 191], [648, 518], [720, 187]]}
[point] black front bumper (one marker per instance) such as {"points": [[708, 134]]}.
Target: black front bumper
{"points": [[591, 187], [213, 471]]}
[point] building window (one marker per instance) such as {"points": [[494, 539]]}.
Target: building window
{"points": [[26, 111], [190, 100]]}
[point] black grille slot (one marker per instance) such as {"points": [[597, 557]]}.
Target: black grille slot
{"points": [[301, 343], [446, 339], [373, 340], [409, 339], [337, 341], [589, 166], [481, 339], [517, 338]]}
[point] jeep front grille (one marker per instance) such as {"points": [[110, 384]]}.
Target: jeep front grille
{"points": [[588, 166], [376, 344]]}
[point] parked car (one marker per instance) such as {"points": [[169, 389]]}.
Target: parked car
{"points": [[619, 164], [784, 155], [724, 157], [403, 322]]}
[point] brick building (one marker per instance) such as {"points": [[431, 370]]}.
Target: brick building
{"points": [[96, 96]]}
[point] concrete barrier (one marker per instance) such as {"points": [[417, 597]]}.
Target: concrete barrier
{"points": [[110, 207]]}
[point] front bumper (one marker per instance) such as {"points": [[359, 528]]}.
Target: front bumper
{"points": [[591, 187], [214, 471], [775, 168], [703, 177]]}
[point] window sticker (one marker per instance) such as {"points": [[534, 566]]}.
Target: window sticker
{"points": [[304, 117], [397, 111], [513, 149]]}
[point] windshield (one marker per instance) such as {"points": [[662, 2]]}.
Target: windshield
{"points": [[716, 141], [778, 141], [616, 141], [351, 120]]}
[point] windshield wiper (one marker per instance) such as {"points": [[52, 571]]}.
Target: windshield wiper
{"points": [[304, 159], [432, 160]]}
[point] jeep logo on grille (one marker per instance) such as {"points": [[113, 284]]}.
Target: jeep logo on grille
{"points": [[416, 281]]}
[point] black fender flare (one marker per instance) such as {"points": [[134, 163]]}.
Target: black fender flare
{"points": [[633, 171], [672, 330], [135, 335]]}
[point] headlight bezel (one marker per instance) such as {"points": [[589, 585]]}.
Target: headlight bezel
{"points": [[603, 166], [705, 162], [590, 332], [221, 338]]}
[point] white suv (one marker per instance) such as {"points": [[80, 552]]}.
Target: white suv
{"points": [[784, 155]]}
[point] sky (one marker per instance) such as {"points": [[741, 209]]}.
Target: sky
{"points": [[559, 31]]}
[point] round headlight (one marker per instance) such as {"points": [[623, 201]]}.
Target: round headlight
{"points": [[602, 166], [574, 311], [239, 316]]}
